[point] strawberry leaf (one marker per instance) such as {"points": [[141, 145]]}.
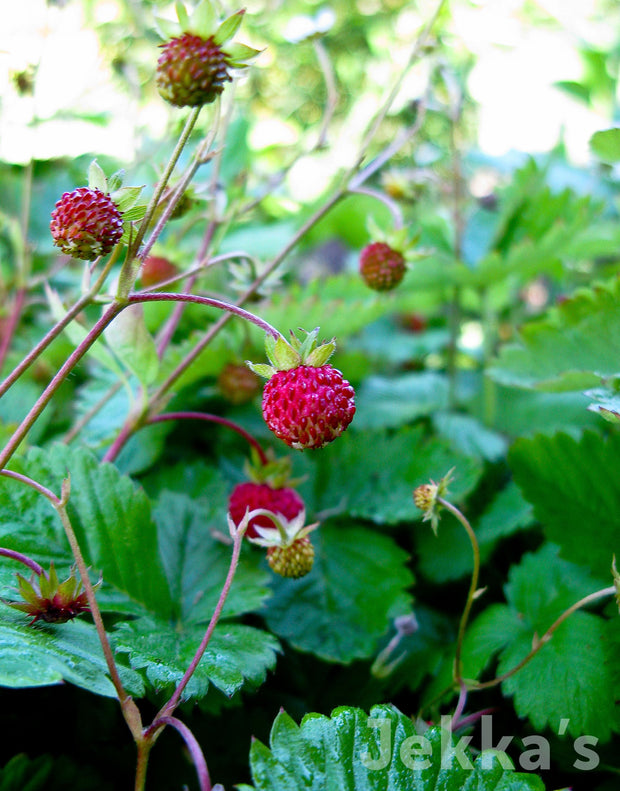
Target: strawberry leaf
{"points": [[576, 675], [572, 485], [355, 751], [341, 609], [34, 656], [237, 655]]}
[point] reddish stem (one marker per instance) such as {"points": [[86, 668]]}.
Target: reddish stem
{"points": [[192, 745], [209, 301], [9, 329], [212, 419], [32, 564]]}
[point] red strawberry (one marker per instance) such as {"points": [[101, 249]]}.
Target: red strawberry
{"points": [[308, 407], [156, 269], [381, 266], [192, 70], [86, 223], [306, 402], [250, 495]]}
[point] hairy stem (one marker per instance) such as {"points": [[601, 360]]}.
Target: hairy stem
{"points": [[592, 597], [11, 324], [57, 329], [222, 421], [21, 558], [473, 587], [47, 395]]}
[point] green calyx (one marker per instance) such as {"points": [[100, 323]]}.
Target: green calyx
{"points": [[285, 356], [276, 472], [399, 239], [203, 22]]}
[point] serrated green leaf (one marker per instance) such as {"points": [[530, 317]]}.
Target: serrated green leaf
{"points": [[362, 485], [573, 348], [606, 145], [133, 344], [572, 485], [237, 655], [575, 675], [355, 751], [196, 563], [96, 177], [469, 436], [228, 28], [34, 656], [341, 609], [386, 402], [111, 517]]}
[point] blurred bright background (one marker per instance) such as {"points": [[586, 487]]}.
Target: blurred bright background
{"points": [[76, 76]]}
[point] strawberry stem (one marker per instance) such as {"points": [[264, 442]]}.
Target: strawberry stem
{"points": [[212, 419]]}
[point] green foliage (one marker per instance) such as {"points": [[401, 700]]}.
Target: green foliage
{"points": [[347, 751], [340, 610], [574, 676], [571, 485]]}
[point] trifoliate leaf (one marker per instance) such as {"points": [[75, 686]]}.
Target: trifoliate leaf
{"points": [[380, 751], [346, 603], [111, 517], [572, 348], [575, 676], [35, 656], [237, 655], [362, 485], [196, 563], [572, 485]]}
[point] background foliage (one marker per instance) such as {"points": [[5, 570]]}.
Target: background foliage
{"points": [[498, 356]]}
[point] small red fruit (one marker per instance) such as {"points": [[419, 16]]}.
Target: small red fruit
{"points": [[381, 266], [307, 406], [86, 223], [155, 270], [192, 71], [250, 495]]}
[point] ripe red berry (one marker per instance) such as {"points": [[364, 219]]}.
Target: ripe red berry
{"points": [[308, 406], [381, 267], [191, 71], [155, 269], [250, 495], [86, 223]]}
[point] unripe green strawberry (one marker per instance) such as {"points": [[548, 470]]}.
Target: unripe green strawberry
{"points": [[381, 266], [192, 70], [250, 495], [86, 223], [156, 269], [237, 383], [293, 561]]}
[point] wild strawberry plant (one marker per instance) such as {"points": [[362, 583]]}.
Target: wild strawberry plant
{"points": [[178, 557]]}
